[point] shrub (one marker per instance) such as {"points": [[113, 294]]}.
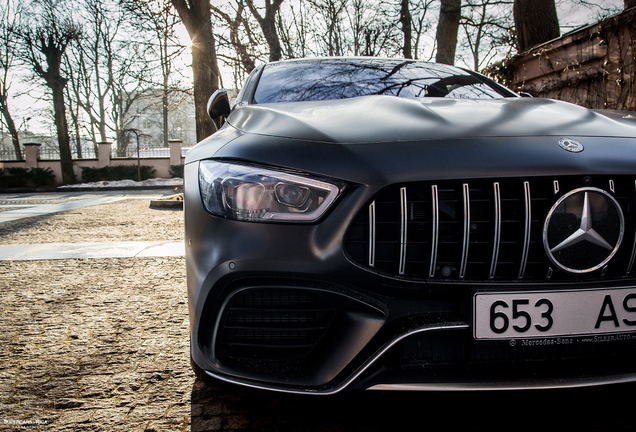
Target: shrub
{"points": [[17, 177], [90, 175], [116, 172], [41, 177], [26, 177], [176, 171]]}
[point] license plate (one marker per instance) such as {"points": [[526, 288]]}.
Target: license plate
{"points": [[511, 315]]}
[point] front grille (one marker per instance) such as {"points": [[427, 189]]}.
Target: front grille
{"points": [[477, 229], [273, 324]]}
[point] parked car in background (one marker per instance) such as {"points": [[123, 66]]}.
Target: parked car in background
{"points": [[396, 224]]}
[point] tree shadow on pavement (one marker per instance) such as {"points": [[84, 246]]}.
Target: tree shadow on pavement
{"points": [[17, 225]]}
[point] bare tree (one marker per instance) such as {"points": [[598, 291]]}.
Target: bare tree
{"points": [[331, 16], [268, 26], [244, 51], [358, 23], [447, 27], [129, 90], [536, 22], [89, 67], [487, 27], [197, 18], [159, 18], [72, 90], [414, 23], [407, 22], [294, 29], [79, 89], [9, 45], [421, 23], [49, 33], [629, 3], [104, 25]]}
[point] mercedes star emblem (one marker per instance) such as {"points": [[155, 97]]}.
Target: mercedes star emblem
{"points": [[583, 230], [571, 145]]}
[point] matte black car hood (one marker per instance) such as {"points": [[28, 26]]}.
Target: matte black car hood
{"points": [[389, 119], [381, 140]]}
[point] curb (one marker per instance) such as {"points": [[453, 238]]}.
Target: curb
{"points": [[85, 189], [169, 202]]}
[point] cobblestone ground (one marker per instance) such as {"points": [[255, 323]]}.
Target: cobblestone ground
{"points": [[127, 220], [95, 344], [102, 345]]}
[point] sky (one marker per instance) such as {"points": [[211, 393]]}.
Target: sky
{"points": [[571, 16], [23, 106]]}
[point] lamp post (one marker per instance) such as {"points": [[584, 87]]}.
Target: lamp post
{"points": [[137, 132]]}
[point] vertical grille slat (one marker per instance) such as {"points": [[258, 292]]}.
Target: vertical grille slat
{"points": [[497, 234], [478, 230], [466, 239], [372, 234], [403, 229], [527, 232], [435, 231]]}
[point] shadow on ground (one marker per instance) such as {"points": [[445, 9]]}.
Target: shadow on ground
{"points": [[13, 227], [227, 407]]}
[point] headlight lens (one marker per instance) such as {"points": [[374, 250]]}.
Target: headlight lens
{"points": [[257, 194]]}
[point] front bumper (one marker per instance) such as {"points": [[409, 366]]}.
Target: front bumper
{"points": [[247, 283]]}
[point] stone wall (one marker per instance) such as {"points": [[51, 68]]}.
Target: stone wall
{"points": [[592, 66], [160, 164]]}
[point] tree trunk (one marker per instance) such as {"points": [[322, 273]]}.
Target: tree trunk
{"points": [[234, 26], [269, 31], [206, 82], [536, 22], [164, 103], [122, 143], [74, 111], [101, 98], [268, 26], [629, 3], [197, 19], [405, 20], [66, 159], [449, 16], [12, 129]]}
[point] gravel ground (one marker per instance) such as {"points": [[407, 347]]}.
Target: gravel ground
{"points": [[127, 220]]}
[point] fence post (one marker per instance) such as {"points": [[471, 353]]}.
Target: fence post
{"points": [[103, 153], [175, 151], [31, 151]]}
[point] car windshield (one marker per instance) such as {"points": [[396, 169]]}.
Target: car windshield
{"points": [[325, 79]]}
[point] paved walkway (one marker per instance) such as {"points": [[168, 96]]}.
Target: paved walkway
{"points": [[29, 210], [90, 250], [25, 252]]}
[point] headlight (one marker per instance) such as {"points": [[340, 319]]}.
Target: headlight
{"points": [[256, 194]]}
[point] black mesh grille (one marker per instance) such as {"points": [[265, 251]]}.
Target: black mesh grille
{"points": [[456, 351], [476, 229], [273, 324]]}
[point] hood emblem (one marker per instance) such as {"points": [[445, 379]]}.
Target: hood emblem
{"points": [[571, 145], [583, 230]]}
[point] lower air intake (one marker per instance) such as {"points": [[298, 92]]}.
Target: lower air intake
{"points": [[274, 324]]}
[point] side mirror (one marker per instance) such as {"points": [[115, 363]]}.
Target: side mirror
{"points": [[219, 104], [524, 94]]}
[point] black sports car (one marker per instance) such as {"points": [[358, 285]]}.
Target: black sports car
{"points": [[395, 224]]}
